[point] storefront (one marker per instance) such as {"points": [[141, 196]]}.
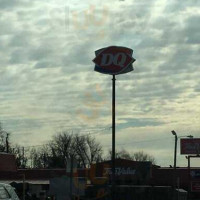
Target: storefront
{"points": [[126, 172]]}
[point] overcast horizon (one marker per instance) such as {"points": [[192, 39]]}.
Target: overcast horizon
{"points": [[48, 83]]}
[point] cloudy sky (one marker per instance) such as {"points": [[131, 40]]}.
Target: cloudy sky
{"points": [[48, 84]]}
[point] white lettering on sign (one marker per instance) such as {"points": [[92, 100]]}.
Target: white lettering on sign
{"points": [[121, 171], [119, 59], [107, 59], [120, 62]]}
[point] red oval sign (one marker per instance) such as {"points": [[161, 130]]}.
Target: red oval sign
{"points": [[114, 60]]}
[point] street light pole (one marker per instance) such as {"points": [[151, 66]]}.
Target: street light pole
{"points": [[175, 154]]}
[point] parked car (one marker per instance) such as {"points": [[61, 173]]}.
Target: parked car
{"points": [[7, 192]]}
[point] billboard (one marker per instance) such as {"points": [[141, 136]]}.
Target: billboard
{"points": [[190, 146], [195, 174]]}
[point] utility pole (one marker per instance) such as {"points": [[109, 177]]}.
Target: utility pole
{"points": [[7, 143], [23, 159], [174, 171], [44, 160], [71, 175]]}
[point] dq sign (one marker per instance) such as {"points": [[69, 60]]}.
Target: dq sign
{"points": [[114, 60]]}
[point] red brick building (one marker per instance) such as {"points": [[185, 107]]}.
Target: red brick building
{"points": [[127, 173], [7, 163]]}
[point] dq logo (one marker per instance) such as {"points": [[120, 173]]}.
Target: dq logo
{"points": [[89, 20], [101, 191], [93, 106], [114, 60], [82, 22], [89, 16], [119, 59]]}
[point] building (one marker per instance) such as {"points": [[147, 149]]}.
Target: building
{"points": [[126, 171], [7, 163], [132, 176]]}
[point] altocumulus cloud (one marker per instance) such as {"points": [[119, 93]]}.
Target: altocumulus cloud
{"points": [[47, 80], [141, 122]]}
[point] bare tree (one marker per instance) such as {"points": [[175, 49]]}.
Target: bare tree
{"points": [[40, 157], [21, 158], [123, 154], [65, 145], [35, 157], [142, 156], [4, 140], [136, 156], [95, 150], [61, 148], [53, 154], [87, 149], [80, 148]]}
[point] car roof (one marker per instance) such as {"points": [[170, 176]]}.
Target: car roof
{"points": [[10, 190]]}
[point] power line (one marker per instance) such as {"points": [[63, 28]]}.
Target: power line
{"points": [[88, 133], [120, 144], [141, 141], [71, 128]]}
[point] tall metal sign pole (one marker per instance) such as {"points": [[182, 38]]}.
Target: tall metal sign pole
{"points": [[113, 60], [113, 137], [175, 154]]}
